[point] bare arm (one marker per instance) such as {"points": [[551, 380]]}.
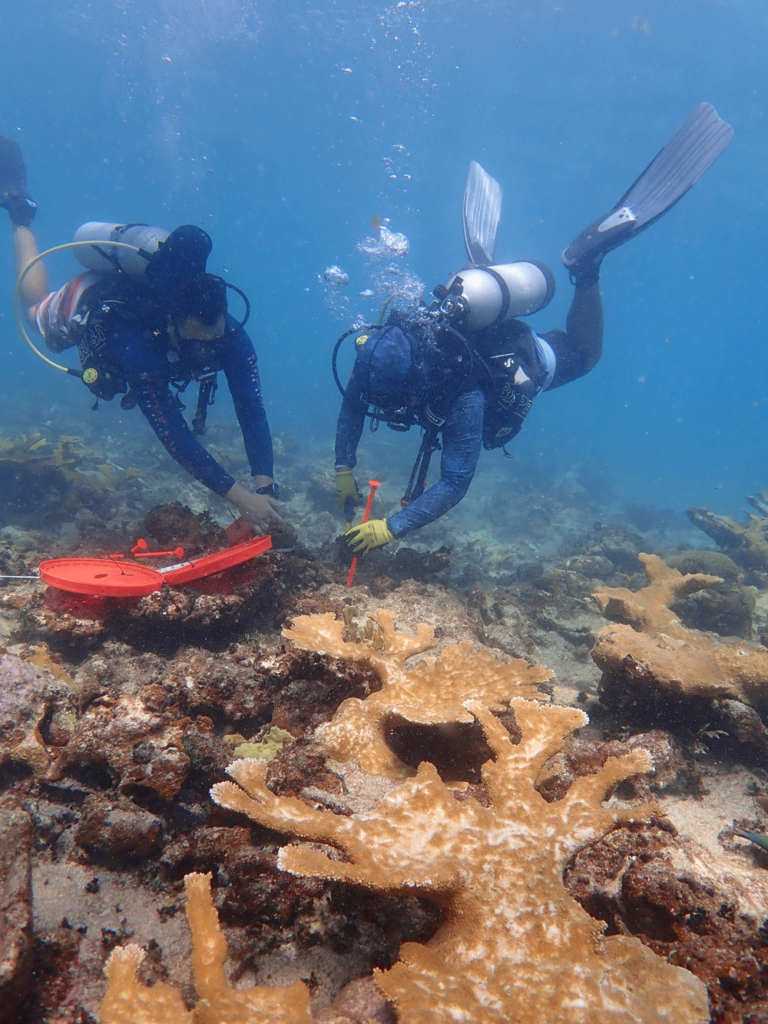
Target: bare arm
{"points": [[35, 286]]}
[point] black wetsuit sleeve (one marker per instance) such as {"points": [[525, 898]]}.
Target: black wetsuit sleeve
{"points": [[570, 362], [242, 373], [164, 416]]}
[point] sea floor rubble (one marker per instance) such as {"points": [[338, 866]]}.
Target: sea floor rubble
{"points": [[117, 719]]}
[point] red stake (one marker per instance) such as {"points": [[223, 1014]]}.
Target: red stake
{"points": [[139, 550], [374, 484], [178, 552]]}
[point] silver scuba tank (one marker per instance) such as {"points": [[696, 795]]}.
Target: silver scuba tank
{"points": [[496, 294], [103, 257]]}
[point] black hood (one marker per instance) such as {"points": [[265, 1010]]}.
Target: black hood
{"points": [[183, 255]]}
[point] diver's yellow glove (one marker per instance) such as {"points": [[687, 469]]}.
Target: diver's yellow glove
{"points": [[367, 536], [347, 493]]}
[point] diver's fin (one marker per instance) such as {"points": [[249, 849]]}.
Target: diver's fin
{"points": [[481, 215], [696, 144], [13, 183], [13, 174]]}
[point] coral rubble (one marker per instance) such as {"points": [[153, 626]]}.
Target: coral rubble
{"points": [[512, 944]]}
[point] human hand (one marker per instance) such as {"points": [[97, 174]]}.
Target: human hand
{"points": [[367, 536], [259, 509], [347, 493]]}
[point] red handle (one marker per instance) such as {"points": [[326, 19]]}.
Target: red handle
{"points": [[374, 484], [179, 552]]}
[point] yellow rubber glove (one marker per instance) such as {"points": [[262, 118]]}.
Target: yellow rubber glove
{"points": [[367, 536], [347, 494]]}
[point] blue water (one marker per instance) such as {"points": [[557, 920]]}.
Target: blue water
{"points": [[284, 128]]}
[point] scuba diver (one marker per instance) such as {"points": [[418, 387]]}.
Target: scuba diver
{"points": [[465, 369], [146, 318]]}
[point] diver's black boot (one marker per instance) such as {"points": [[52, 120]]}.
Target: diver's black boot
{"points": [[584, 255], [13, 184]]}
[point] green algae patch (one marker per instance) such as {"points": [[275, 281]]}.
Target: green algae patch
{"points": [[267, 747]]}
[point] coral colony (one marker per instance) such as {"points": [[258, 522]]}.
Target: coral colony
{"points": [[677, 658], [512, 944], [371, 823]]}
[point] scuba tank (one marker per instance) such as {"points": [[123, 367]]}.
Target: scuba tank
{"points": [[105, 258], [482, 296]]}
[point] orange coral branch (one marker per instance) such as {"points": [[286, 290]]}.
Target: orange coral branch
{"points": [[658, 645], [512, 945], [432, 692], [127, 1001]]}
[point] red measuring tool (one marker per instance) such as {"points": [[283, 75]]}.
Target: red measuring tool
{"points": [[374, 484], [113, 577]]}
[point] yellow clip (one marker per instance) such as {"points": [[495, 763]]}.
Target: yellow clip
{"points": [[361, 339]]}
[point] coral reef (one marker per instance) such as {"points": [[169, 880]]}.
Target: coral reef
{"points": [[651, 643], [512, 945], [431, 693], [41, 478], [123, 715]]}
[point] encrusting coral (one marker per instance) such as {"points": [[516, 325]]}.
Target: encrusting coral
{"points": [[433, 692], [513, 945], [650, 636], [128, 1001]]}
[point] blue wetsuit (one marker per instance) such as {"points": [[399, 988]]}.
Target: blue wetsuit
{"points": [[140, 344], [462, 441], [144, 361], [408, 376]]}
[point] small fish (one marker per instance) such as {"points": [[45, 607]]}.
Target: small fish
{"points": [[754, 837]]}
